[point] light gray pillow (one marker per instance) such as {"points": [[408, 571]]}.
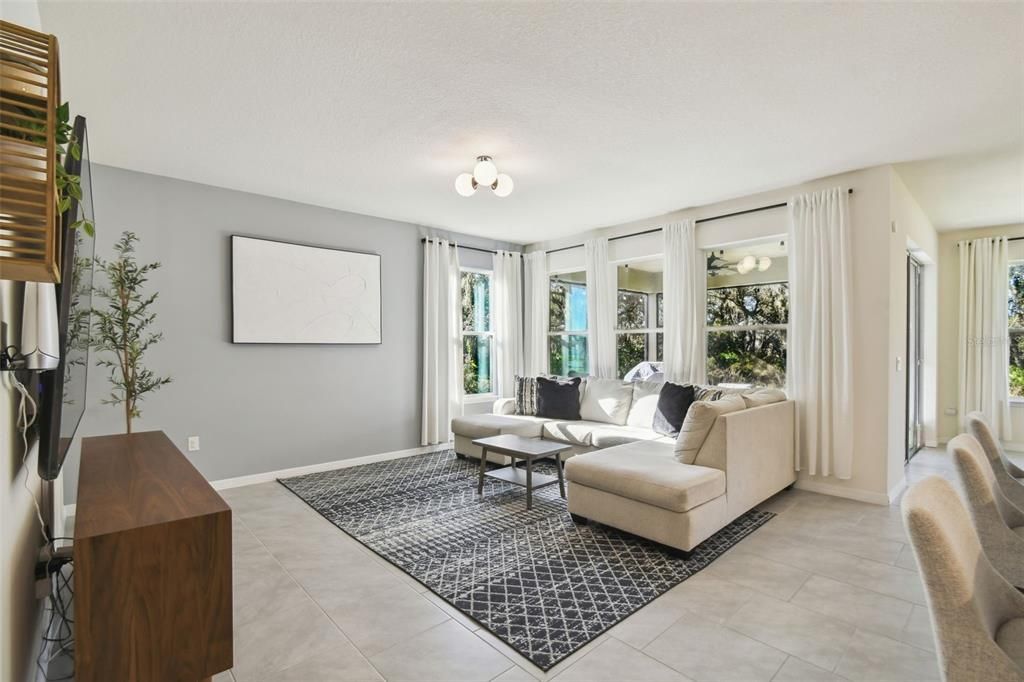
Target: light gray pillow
{"points": [[764, 396], [698, 422], [606, 400], [644, 404]]}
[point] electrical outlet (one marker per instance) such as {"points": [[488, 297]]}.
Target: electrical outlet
{"points": [[950, 411], [193, 443]]}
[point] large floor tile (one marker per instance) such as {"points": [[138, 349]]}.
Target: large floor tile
{"points": [[874, 658], [854, 605], [703, 650], [757, 573], [614, 661], [795, 670], [919, 629], [802, 633], [375, 619], [906, 559], [709, 596], [446, 652], [642, 627]]}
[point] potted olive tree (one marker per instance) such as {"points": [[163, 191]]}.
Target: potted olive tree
{"points": [[123, 328]]}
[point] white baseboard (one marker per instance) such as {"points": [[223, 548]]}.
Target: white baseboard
{"points": [[839, 491], [897, 489], [268, 476]]}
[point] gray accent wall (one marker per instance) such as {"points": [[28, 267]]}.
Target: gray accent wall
{"points": [[258, 408]]}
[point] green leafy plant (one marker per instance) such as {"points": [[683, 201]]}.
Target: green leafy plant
{"points": [[69, 185], [123, 328]]}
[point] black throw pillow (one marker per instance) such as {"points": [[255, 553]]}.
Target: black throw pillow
{"points": [[673, 403], [558, 399]]}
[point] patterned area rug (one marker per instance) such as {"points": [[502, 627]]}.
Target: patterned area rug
{"points": [[538, 581]]}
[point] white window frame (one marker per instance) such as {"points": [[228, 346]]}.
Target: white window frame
{"points": [[586, 332], [469, 398], [651, 308], [708, 330], [1016, 400]]}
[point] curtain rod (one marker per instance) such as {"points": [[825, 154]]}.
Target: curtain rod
{"points": [[463, 246], [698, 222]]}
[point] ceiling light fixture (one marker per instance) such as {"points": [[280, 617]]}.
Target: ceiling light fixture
{"points": [[485, 174]]}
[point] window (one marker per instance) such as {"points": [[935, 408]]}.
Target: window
{"points": [[1016, 329], [477, 336], [639, 315], [747, 316], [567, 325]]}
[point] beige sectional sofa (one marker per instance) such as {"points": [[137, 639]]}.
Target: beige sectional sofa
{"points": [[622, 473]]}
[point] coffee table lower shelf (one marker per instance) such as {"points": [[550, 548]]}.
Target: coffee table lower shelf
{"points": [[517, 476]]}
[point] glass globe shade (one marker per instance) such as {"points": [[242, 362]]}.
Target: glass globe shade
{"points": [[504, 185], [746, 264], [485, 172], [464, 185], [764, 263]]}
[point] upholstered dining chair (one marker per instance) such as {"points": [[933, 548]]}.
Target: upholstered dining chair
{"points": [[977, 616], [1009, 476], [998, 522]]}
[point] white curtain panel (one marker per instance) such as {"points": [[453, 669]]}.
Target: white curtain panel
{"points": [[982, 340], [442, 342], [820, 366], [508, 319], [602, 299], [685, 293], [537, 290]]}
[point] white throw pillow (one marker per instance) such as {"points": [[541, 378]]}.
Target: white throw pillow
{"points": [[606, 400], [645, 404], [698, 422], [764, 396]]}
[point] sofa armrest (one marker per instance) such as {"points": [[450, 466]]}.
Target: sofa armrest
{"points": [[756, 448], [504, 406]]}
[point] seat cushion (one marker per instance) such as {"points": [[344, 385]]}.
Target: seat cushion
{"points": [[572, 432], [1010, 638], [610, 436], [484, 425], [1019, 530], [607, 401], [647, 472]]}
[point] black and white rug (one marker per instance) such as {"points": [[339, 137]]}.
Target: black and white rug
{"points": [[538, 581]]}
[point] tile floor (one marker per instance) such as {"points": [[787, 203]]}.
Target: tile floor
{"points": [[827, 590]]}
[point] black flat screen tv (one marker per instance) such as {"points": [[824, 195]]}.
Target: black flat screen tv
{"points": [[61, 392]]}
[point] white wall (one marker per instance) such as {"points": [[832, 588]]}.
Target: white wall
{"points": [[878, 447], [949, 425]]}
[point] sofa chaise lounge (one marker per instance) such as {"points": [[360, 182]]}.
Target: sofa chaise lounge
{"points": [[674, 491]]}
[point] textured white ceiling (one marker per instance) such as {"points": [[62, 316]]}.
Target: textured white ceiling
{"points": [[976, 190], [602, 113]]}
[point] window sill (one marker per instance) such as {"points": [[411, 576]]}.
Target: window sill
{"points": [[479, 398], [1016, 402]]}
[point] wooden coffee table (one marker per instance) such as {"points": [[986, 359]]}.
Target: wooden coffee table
{"points": [[527, 449]]}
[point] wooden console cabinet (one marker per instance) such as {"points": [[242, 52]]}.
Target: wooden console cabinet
{"points": [[152, 565]]}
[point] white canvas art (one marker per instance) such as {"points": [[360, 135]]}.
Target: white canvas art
{"points": [[290, 293]]}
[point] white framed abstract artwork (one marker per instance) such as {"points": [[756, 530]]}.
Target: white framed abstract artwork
{"points": [[293, 293]]}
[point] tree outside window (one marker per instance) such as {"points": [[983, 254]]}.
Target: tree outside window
{"points": [[639, 315], [1016, 329], [567, 325], [477, 336], [746, 334]]}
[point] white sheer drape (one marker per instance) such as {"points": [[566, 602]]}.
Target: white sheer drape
{"points": [[819, 361], [982, 340], [685, 293], [442, 343], [508, 319], [537, 291], [602, 298]]}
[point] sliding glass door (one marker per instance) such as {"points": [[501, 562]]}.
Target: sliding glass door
{"points": [[914, 439]]}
